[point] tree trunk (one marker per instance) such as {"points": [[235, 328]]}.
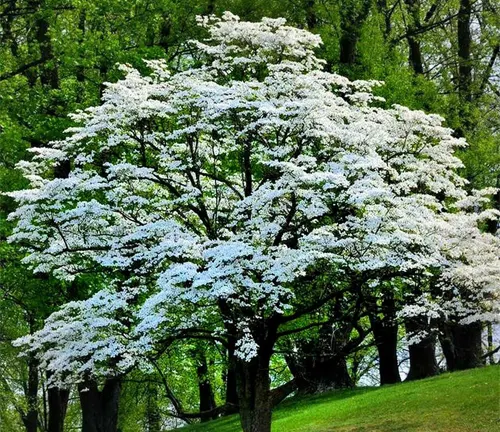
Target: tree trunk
{"points": [[385, 332], [464, 39], [254, 394], [348, 42], [49, 73], [100, 407], [207, 400], [253, 383], [320, 364], [352, 17], [210, 7], [316, 372], [311, 17], [491, 357], [30, 419], [386, 338], [461, 345], [80, 68], [230, 379], [8, 38], [415, 54], [58, 405], [423, 362], [165, 32], [387, 13]]}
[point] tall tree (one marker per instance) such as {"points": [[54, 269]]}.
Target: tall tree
{"points": [[232, 198]]}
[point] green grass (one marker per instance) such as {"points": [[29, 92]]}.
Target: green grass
{"points": [[466, 401]]}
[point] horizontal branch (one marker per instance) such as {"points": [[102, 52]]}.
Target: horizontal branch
{"points": [[300, 329], [21, 69]]}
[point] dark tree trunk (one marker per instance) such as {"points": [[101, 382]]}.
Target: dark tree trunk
{"points": [[100, 407], [311, 17], [165, 32], [231, 391], [461, 345], [49, 73], [464, 39], [319, 372], [423, 362], [352, 17], [103, 72], [80, 69], [387, 13], [254, 394], [58, 405], [210, 7], [320, 364], [415, 54], [491, 357], [385, 332], [8, 37], [30, 419], [252, 374], [253, 382], [387, 344], [280, 393], [207, 400], [348, 42]]}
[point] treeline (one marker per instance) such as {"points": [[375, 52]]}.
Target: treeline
{"points": [[435, 55]]}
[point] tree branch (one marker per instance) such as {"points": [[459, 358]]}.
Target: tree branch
{"points": [[21, 69]]}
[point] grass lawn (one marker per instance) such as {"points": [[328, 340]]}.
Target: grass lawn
{"points": [[466, 401]]}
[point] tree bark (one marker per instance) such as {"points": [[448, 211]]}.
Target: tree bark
{"points": [[464, 39], [231, 390], [58, 405], [30, 419], [385, 333], [253, 382], [311, 16], [100, 407], [49, 73], [491, 357], [423, 362], [8, 37], [352, 17], [254, 394], [415, 54], [462, 345], [316, 372], [387, 13], [210, 7], [207, 399]]}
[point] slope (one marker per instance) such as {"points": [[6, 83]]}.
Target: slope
{"points": [[467, 401]]}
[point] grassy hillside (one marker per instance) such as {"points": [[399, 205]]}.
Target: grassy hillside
{"points": [[457, 402]]}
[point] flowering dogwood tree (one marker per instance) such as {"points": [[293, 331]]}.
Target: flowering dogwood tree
{"points": [[232, 197], [465, 292]]}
